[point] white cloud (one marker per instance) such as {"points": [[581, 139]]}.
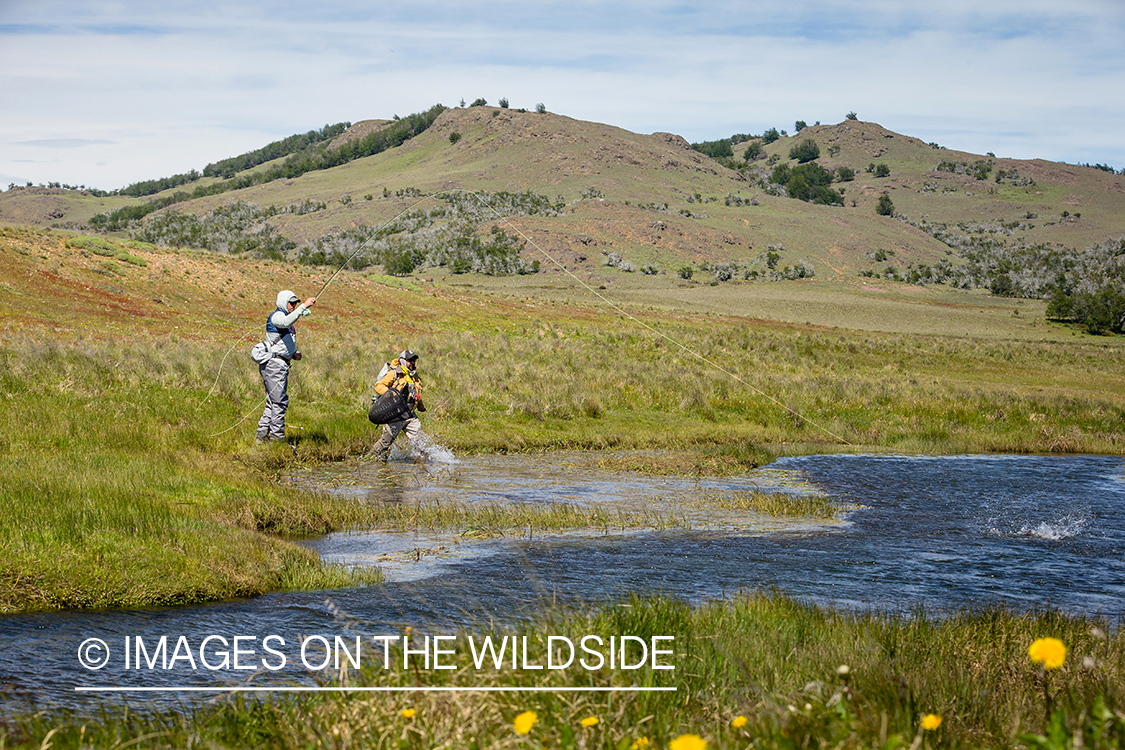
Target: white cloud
{"points": [[177, 85]]}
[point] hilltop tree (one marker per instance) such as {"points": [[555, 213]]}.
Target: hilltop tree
{"points": [[799, 126], [481, 102], [541, 108], [503, 102], [851, 116], [771, 135]]}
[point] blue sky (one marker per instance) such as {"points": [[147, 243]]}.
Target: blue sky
{"points": [[106, 93]]}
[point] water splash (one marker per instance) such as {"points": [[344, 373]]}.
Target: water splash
{"points": [[1064, 528], [426, 450]]}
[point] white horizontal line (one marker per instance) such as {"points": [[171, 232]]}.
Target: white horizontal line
{"points": [[431, 689]]}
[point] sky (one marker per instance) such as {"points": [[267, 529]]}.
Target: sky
{"points": [[107, 93]]}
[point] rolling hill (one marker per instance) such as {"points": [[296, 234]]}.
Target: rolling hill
{"points": [[651, 203]]}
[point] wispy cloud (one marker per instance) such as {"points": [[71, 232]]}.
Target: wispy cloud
{"points": [[160, 88], [63, 142]]}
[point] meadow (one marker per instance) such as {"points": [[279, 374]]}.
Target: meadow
{"points": [[129, 471]]}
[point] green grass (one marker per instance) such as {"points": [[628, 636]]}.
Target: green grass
{"points": [[772, 661]]}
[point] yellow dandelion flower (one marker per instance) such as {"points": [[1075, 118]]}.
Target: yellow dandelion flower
{"points": [[590, 721], [688, 742], [525, 721], [408, 712], [931, 722], [641, 743], [1050, 652], [738, 722]]}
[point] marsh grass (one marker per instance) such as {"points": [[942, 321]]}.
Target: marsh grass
{"points": [[780, 504], [768, 658], [490, 519]]}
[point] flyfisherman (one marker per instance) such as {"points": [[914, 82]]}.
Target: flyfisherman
{"points": [[401, 375], [281, 342]]}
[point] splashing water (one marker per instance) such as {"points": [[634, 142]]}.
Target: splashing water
{"points": [[425, 449], [1064, 528]]}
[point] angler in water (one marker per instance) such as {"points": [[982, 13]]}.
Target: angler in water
{"points": [[281, 350], [398, 397]]}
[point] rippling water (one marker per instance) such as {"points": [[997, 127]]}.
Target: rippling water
{"points": [[939, 533]]}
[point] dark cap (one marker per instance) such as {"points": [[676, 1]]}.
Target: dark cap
{"points": [[408, 355]]}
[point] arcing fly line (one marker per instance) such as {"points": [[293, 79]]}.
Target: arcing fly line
{"points": [[661, 334], [619, 310]]}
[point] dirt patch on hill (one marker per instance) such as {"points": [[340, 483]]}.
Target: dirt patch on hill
{"points": [[358, 132]]}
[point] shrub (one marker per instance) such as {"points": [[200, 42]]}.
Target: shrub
{"points": [[845, 174], [753, 151], [482, 102], [541, 108], [882, 170], [503, 102], [805, 151], [720, 149], [851, 116], [454, 137], [771, 135], [885, 207]]}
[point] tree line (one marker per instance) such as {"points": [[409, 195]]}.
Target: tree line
{"points": [[310, 159]]}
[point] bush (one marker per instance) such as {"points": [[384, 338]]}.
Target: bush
{"points": [[771, 135], [481, 102], [845, 174], [851, 116], [882, 170], [753, 151], [720, 149], [454, 137], [805, 151], [885, 207]]}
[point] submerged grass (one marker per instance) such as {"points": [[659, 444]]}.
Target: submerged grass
{"points": [[489, 519], [756, 671], [776, 504]]}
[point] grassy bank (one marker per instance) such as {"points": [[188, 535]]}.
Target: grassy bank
{"points": [[757, 671]]}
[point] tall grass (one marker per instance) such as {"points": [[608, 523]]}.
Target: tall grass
{"points": [[775, 665]]}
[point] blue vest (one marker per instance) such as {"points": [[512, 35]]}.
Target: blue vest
{"points": [[271, 328]]}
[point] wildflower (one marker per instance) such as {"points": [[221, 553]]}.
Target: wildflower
{"points": [[931, 722], [641, 743], [408, 713], [688, 742], [1050, 652], [738, 722], [590, 721], [843, 670], [525, 721]]}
